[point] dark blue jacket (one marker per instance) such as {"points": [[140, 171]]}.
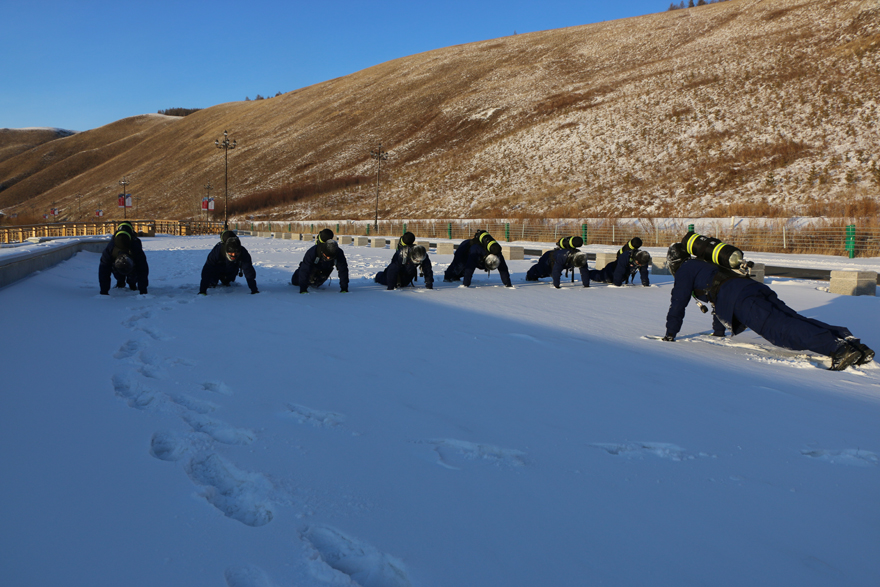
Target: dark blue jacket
{"points": [[553, 263], [694, 279], [618, 272], [403, 274], [218, 267], [316, 269], [742, 302], [141, 274], [469, 257]]}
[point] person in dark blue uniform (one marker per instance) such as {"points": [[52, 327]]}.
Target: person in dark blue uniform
{"points": [[124, 259], [740, 302], [405, 266], [480, 252], [227, 260], [318, 264], [565, 257], [629, 261]]}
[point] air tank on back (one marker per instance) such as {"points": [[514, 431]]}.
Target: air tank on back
{"points": [[713, 250]]}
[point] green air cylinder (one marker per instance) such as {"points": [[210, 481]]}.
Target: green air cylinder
{"points": [[570, 242], [490, 244], [712, 250]]}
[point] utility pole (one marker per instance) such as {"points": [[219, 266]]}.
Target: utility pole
{"points": [[379, 155], [226, 145]]}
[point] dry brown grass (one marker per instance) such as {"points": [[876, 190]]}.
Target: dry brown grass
{"points": [[665, 114]]}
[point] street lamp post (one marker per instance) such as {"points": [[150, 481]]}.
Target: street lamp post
{"points": [[124, 183], [379, 155], [226, 145]]}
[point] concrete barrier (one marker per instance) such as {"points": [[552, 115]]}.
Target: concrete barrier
{"points": [[394, 243], [287, 235], [512, 253], [426, 244], [659, 266], [445, 248], [344, 240], [603, 259], [19, 266], [757, 272], [307, 237], [377, 242], [854, 283], [361, 241]]}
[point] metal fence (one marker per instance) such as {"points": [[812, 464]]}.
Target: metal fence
{"points": [[844, 240], [17, 234]]}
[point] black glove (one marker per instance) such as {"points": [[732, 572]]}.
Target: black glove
{"points": [[669, 337]]}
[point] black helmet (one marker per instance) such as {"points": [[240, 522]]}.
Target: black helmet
{"points": [[224, 236], [578, 260], [675, 256], [643, 258], [325, 236], [408, 239], [123, 264], [232, 248], [418, 254], [328, 248]]}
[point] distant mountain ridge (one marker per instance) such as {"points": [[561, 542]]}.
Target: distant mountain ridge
{"points": [[740, 105]]}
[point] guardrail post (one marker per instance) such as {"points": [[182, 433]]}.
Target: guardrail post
{"points": [[449, 229], [507, 232], [851, 240], [368, 230], [691, 228], [584, 232]]}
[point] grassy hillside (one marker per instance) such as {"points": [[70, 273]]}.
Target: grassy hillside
{"points": [[738, 107]]}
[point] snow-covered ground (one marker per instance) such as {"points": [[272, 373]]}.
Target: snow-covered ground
{"points": [[454, 437]]}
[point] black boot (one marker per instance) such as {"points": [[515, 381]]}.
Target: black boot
{"points": [[846, 355], [867, 354]]}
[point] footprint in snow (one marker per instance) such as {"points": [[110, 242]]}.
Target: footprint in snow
{"points": [[219, 431], [131, 389], [314, 417], [359, 562], [450, 450], [849, 456], [247, 576], [238, 494], [638, 450], [217, 387], [128, 349]]}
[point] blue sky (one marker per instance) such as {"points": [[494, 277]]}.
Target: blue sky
{"points": [[80, 65]]}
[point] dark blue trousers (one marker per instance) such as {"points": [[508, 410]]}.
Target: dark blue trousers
{"points": [[762, 311]]}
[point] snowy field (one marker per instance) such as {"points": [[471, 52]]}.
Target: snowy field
{"points": [[454, 437]]}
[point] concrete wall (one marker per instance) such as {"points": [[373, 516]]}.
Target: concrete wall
{"points": [[40, 258]]}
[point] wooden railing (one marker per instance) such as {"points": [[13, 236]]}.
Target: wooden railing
{"points": [[17, 234]]}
